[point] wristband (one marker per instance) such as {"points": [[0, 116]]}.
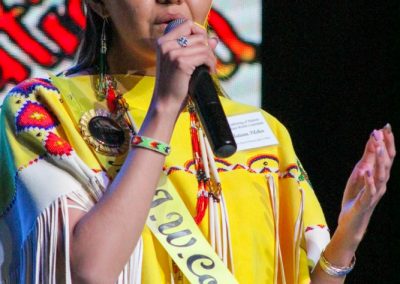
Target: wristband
{"points": [[150, 144]]}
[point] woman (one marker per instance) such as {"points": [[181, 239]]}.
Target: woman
{"points": [[78, 206]]}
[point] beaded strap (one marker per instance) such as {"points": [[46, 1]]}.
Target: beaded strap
{"points": [[151, 144], [335, 270]]}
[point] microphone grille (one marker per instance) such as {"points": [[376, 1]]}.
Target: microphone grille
{"points": [[173, 24]]}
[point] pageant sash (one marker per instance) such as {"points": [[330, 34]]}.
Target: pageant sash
{"points": [[174, 227]]}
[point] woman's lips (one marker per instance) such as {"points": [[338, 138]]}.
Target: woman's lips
{"points": [[166, 18]]}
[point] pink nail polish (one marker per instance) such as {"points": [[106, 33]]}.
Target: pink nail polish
{"points": [[378, 136], [373, 134]]}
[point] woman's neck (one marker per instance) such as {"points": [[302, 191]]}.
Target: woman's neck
{"points": [[124, 60]]}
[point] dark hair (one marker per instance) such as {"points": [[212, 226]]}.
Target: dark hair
{"points": [[89, 50]]}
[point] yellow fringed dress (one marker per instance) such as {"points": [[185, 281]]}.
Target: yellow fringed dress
{"points": [[44, 160]]}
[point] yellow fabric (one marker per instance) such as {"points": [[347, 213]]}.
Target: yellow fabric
{"points": [[243, 178]]}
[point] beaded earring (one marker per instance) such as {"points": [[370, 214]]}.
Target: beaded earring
{"points": [[102, 84]]}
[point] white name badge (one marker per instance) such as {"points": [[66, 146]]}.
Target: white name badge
{"points": [[251, 131]]}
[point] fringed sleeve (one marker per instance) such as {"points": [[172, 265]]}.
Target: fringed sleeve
{"points": [[298, 201], [315, 232], [40, 172]]}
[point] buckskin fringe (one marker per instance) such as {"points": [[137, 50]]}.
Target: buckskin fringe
{"points": [[39, 260]]}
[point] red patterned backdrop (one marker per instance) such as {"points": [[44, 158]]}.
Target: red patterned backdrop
{"points": [[39, 37]]}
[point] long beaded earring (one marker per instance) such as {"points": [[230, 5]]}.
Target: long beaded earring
{"points": [[102, 81], [107, 86]]}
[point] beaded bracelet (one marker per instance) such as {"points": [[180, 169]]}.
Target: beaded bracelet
{"points": [[151, 144], [335, 270]]}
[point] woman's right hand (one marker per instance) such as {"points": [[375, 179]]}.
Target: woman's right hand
{"points": [[176, 64]]}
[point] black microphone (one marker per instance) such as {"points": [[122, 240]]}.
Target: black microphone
{"points": [[204, 95]]}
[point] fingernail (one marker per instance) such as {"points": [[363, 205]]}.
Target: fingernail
{"points": [[388, 128], [380, 135], [377, 135], [368, 173], [216, 38], [373, 134]]}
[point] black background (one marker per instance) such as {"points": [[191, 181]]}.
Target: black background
{"points": [[330, 74]]}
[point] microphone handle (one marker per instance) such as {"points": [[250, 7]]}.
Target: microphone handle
{"points": [[204, 94]]}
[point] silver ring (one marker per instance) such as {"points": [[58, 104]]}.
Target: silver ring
{"points": [[183, 41]]}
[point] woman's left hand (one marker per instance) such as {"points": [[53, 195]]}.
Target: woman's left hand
{"points": [[364, 189], [366, 185]]}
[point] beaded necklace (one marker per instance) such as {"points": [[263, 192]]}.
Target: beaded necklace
{"points": [[209, 191], [116, 103]]}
